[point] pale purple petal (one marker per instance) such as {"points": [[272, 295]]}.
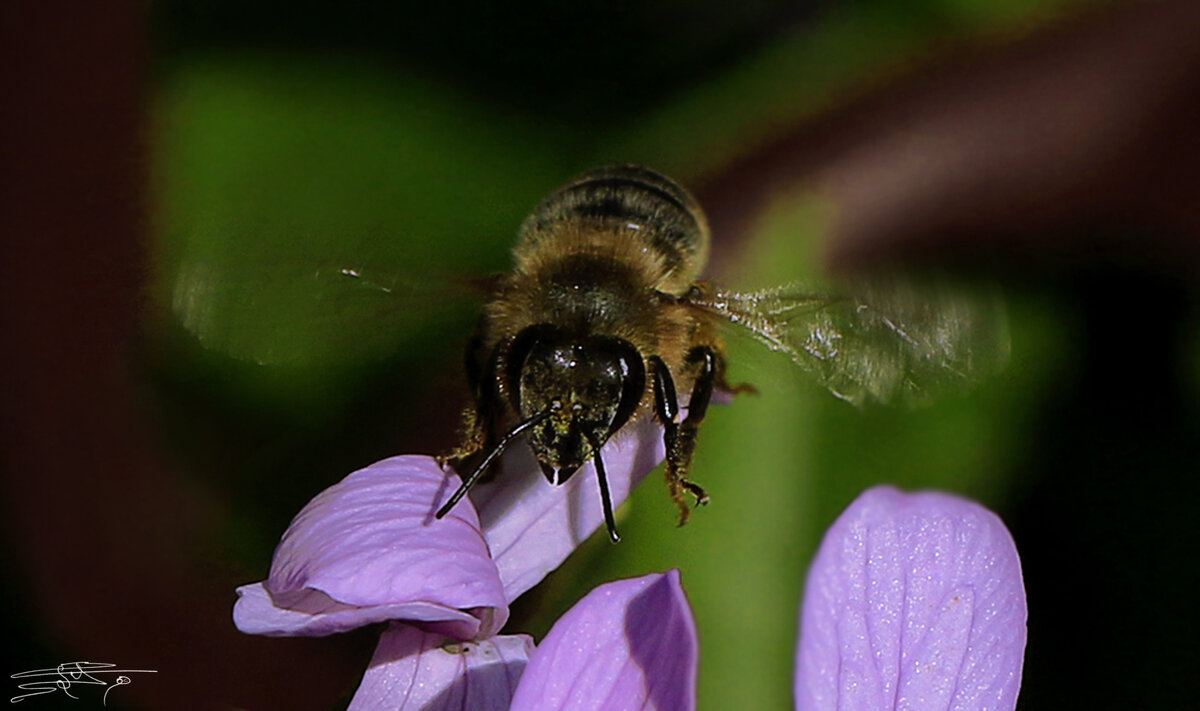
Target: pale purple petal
{"points": [[626, 645], [256, 613], [415, 670], [532, 525], [914, 601], [369, 549]]}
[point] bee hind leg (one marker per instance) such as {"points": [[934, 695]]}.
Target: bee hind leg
{"points": [[680, 437], [739, 389], [721, 382]]}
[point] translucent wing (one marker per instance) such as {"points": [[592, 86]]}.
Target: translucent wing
{"points": [[884, 340], [315, 314]]}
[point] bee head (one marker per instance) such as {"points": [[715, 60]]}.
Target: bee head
{"points": [[588, 387]]}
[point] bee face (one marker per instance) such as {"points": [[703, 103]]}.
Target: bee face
{"points": [[585, 388]]}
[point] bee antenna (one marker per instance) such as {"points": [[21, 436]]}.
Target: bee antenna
{"points": [[605, 497], [496, 451]]}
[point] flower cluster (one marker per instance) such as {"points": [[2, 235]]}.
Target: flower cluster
{"points": [[913, 601]]}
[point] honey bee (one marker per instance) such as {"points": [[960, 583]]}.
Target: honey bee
{"points": [[594, 328], [604, 321]]}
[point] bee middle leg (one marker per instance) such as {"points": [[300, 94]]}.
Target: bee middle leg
{"points": [[475, 433], [680, 437], [473, 436]]}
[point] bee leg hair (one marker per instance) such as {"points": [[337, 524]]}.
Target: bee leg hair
{"points": [[680, 438]]}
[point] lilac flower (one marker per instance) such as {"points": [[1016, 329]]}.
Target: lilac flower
{"points": [[368, 549], [914, 601], [626, 645]]}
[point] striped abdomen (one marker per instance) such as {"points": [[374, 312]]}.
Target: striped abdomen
{"points": [[627, 203]]}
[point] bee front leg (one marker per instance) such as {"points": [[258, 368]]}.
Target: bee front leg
{"points": [[680, 438]]}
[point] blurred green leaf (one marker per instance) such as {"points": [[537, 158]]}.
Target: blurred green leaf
{"points": [[279, 174]]}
